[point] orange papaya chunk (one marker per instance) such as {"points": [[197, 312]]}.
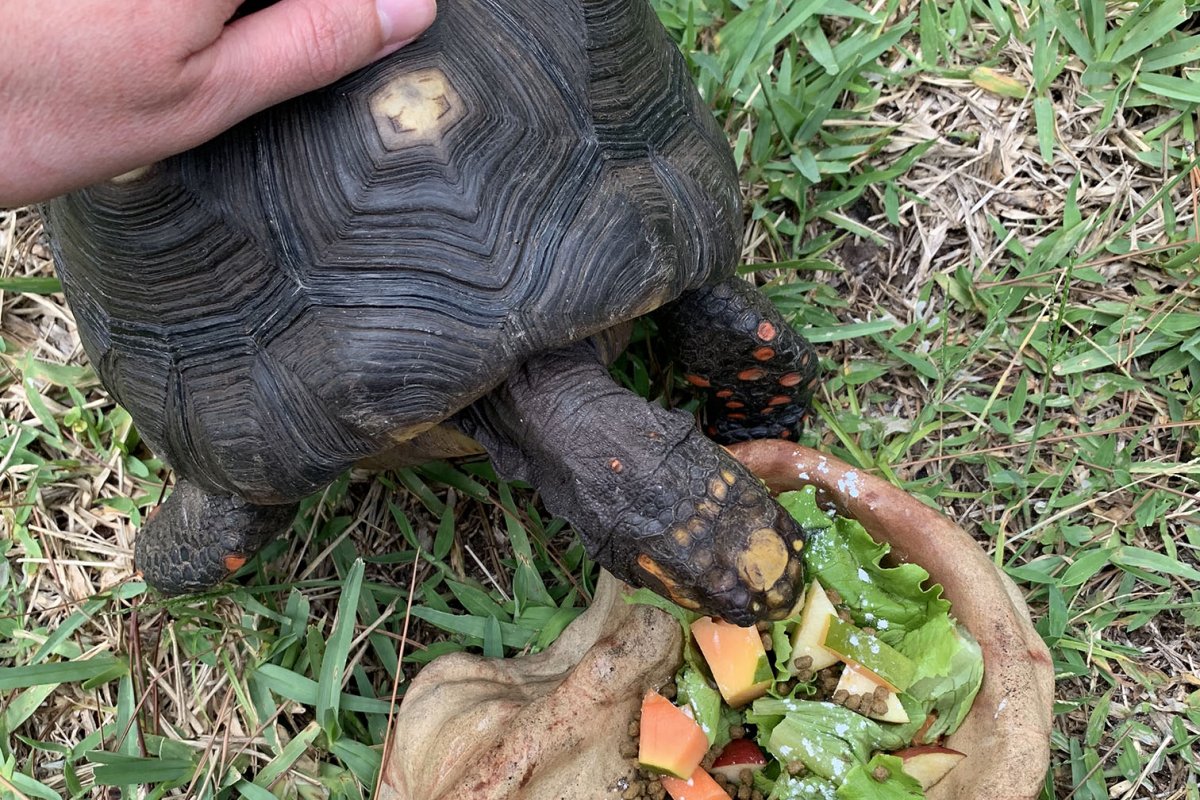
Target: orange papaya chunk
{"points": [[700, 786], [736, 658], [669, 741]]}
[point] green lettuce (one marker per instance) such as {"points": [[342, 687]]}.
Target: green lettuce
{"points": [[705, 701], [861, 783], [844, 557], [827, 738], [808, 787], [948, 675]]}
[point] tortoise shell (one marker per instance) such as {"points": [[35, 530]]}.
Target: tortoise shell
{"points": [[346, 270]]}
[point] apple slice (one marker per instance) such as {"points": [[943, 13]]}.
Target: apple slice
{"points": [[857, 681], [810, 633], [855, 646], [739, 755], [929, 763]]}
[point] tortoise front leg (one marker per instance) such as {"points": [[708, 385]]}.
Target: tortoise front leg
{"points": [[759, 375], [196, 539], [654, 500]]}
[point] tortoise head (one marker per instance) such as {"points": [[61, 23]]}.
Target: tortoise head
{"points": [[732, 553]]}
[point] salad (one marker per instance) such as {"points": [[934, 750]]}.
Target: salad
{"points": [[847, 699]]}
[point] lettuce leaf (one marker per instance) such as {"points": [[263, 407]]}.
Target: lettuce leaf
{"points": [[827, 738], [892, 600], [861, 783], [705, 702], [808, 787], [948, 675]]}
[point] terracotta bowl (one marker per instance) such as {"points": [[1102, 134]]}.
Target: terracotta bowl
{"points": [[1007, 734], [552, 725]]}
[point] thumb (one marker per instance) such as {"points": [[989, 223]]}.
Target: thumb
{"points": [[296, 46]]}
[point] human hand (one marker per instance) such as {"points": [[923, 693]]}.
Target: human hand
{"points": [[90, 89]]}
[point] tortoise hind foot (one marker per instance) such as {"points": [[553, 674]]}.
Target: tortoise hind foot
{"points": [[196, 539], [758, 373]]}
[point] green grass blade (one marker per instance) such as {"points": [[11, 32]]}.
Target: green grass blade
{"points": [[333, 668]]}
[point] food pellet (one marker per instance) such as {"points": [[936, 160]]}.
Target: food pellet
{"points": [[880, 774], [737, 732]]}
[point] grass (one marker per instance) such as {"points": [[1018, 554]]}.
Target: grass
{"points": [[984, 212]]}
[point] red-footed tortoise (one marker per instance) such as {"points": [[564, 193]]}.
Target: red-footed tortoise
{"points": [[443, 246]]}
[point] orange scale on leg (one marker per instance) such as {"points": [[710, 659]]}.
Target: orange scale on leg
{"points": [[791, 379], [764, 353]]}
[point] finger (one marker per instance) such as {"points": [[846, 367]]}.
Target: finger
{"points": [[295, 46]]}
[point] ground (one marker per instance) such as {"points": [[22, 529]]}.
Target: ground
{"points": [[984, 214]]}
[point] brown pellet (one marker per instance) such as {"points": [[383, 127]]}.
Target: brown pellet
{"points": [[737, 732], [743, 792], [833, 596], [746, 777], [768, 642], [633, 792], [668, 690], [634, 728], [840, 696], [881, 693], [762, 625], [869, 631], [795, 768], [756, 795], [880, 708], [803, 663], [629, 750], [881, 774]]}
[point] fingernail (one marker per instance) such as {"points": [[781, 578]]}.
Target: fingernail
{"points": [[404, 20]]}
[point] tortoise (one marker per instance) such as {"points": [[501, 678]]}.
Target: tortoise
{"points": [[438, 255]]}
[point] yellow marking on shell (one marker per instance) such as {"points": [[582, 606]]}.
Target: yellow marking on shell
{"points": [[718, 489], [676, 593], [415, 108], [707, 508], [797, 545], [764, 559], [133, 175], [681, 535], [728, 477]]}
